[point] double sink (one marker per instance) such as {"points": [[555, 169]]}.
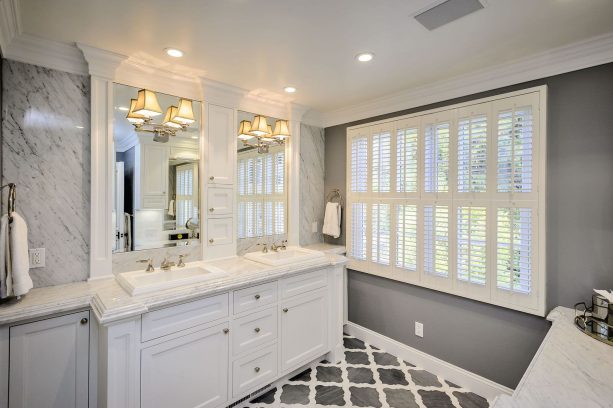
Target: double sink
{"points": [[140, 282]]}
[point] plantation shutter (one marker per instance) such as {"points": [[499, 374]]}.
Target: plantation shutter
{"points": [[381, 233], [472, 154], [514, 250], [515, 148], [436, 240], [472, 244], [406, 238], [358, 231], [436, 157], [359, 164], [406, 160], [381, 161]]}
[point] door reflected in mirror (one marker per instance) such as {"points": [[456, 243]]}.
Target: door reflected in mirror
{"points": [[261, 187], [157, 165]]}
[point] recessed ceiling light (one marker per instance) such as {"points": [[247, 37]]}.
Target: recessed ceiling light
{"points": [[289, 89], [365, 56], [123, 108], [80, 127], [173, 52]]}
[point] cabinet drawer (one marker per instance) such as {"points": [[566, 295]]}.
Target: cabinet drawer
{"points": [[219, 201], [155, 202], [254, 330], [254, 370], [254, 297], [219, 231], [302, 283], [173, 319]]}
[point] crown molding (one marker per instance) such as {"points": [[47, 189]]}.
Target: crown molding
{"points": [[101, 63], [583, 54]]}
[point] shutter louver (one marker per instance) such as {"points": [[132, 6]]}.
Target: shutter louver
{"points": [[472, 155], [279, 217], [381, 234], [279, 172], [436, 240], [514, 249], [406, 240], [406, 160], [381, 162], [359, 165], [358, 231], [515, 150], [437, 158], [472, 244]]}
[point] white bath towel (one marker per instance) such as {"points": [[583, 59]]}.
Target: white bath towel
{"points": [[171, 208], [332, 220], [20, 261], [6, 278]]}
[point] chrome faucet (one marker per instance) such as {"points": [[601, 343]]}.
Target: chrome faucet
{"points": [[166, 264], [181, 264], [149, 263], [280, 247], [264, 249]]}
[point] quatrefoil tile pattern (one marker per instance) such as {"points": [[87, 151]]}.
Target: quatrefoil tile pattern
{"points": [[367, 378]]}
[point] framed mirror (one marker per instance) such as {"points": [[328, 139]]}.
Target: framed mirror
{"points": [[261, 180], [156, 183]]}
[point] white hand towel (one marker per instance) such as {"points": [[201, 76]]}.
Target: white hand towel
{"points": [[6, 286], [171, 208], [20, 261], [332, 220]]}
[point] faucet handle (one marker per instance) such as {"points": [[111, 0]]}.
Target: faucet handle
{"points": [[149, 262], [181, 264], [265, 247]]}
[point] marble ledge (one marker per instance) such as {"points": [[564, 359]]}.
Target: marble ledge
{"points": [[570, 369], [110, 303], [328, 248]]}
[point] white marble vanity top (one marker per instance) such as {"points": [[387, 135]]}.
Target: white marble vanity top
{"points": [[570, 369], [328, 248], [111, 303]]}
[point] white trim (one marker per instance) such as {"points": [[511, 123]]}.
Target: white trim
{"points": [[582, 54], [10, 23], [466, 379]]}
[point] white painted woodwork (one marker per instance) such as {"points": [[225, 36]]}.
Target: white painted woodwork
{"points": [[173, 319], [296, 285], [4, 367], [151, 176], [254, 330], [49, 361], [221, 159], [220, 202], [184, 153], [220, 231], [253, 371], [304, 328], [255, 297], [336, 309], [187, 372]]}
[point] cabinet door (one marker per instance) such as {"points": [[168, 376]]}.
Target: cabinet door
{"points": [[187, 372], [304, 329], [219, 231], [49, 363], [155, 170], [221, 146]]}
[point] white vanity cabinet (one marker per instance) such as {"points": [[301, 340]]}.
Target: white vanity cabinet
{"points": [[151, 178], [49, 363], [221, 145]]}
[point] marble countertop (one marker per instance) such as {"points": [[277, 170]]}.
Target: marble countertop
{"points": [[570, 369], [110, 302], [328, 248]]}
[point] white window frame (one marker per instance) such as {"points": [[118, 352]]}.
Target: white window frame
{"points": [[535, 303]]}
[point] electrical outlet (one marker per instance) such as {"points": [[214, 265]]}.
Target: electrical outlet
{"points": [[314, 227], [37, 257], [419, 329]]}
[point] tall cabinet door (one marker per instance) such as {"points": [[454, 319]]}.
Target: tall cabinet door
{"points": [[155, 169], [187, 372], [304, 329], [221, 146], [49, 363]]}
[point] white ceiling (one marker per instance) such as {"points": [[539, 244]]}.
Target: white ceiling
{"points": [[311, 44]]}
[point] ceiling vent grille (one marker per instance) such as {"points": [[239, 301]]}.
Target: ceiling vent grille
{"points": [[447, 11]]}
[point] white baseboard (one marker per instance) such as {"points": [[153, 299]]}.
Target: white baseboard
{"points": [[464, 378]]}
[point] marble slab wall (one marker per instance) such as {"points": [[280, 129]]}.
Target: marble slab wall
{"points": [[312, 169], [46, 152]]}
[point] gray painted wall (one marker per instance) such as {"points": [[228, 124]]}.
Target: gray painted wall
{"points": [[494, 342]]}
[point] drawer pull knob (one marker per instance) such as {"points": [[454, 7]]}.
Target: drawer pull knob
{"points": [[257, 329], [257, 297], [211, 240], [84, 320], [257, 369], [226, 331], [212, 178], [211, 209], [285, 310]]}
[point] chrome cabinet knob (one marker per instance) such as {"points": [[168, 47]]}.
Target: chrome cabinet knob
{"points": [[257, 329], [212, 178], [257, 297], [211, 240], [226, 331], [285, 310], [257, 369], [84, 320], [211, 209]]}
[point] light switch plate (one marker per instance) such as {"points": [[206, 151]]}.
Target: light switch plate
{"points": [[37, 258], [419, 329], [314, 226]]}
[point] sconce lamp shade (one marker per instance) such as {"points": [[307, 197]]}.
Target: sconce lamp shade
{"points": [[259, 127], [244, 129], [171, 112], [134, 118], [281, 130], [147, 104], [268, 136], [185, 114]]}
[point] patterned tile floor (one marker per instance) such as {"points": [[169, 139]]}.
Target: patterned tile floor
{"points": [[367, 377]]}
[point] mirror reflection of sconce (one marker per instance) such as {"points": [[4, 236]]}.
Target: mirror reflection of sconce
{"points": [[146, 107], [259, 134]]}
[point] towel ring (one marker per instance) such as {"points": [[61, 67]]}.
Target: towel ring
{"points": [[12, 197], [333, 195]]}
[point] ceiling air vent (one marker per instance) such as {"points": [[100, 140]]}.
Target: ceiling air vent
{"points": [[447, 11]]}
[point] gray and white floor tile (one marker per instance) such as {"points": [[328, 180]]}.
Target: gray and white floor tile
{"points": [[370, 378]]}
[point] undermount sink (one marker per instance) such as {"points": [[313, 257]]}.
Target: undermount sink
{"points": [[285, 257], [139, 282]]}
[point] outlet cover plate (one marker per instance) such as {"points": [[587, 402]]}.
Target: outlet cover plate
{"points": [[419, 329], [37, 258]]}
